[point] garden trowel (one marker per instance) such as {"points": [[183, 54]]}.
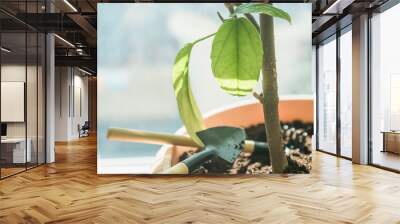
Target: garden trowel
{"points": [[149, 137], [223, 142]]}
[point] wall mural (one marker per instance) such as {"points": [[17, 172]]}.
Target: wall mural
{"points": [[187, 88]]}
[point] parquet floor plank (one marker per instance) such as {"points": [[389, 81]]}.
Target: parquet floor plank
{"points": [[70, 191]]}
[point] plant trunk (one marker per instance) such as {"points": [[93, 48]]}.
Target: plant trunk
{"points": [[271, 98]]}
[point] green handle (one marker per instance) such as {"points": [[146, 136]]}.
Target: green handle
{"points": [[195, 160], [261, 147]]}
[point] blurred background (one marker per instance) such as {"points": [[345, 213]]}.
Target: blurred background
{"points": [[137, 45]]}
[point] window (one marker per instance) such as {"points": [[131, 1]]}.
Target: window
{"points": [[385, 89], [327, 96], [346, 93]]}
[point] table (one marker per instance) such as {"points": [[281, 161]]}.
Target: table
{"points": [[391, 141], [16, 153]]}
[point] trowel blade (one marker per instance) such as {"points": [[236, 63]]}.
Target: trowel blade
{"points": [[227, 141]]}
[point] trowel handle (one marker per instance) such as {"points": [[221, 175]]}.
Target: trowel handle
{"points": [[179, 168], [253, 146], [191, 163], [130, 135]]}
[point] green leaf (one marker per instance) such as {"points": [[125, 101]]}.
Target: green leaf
{"points": [[188, 109], [236, 56], [262, 8]]}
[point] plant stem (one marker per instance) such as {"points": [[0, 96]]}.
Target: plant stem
{"points": [[252, 20], [230, 8], [271, 98], [203, 38], [250, 17], [220, 17]]}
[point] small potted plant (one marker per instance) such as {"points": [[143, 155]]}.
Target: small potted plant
{"points": [[241, 48]]}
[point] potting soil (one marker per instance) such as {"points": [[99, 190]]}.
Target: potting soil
{"points": [[296, 138]]}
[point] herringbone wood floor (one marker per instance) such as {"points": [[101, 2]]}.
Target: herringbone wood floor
{"points": [[70, 191]]}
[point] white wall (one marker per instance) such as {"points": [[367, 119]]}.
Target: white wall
{"points": [[80, 108], [62, 81], [70, 83]]}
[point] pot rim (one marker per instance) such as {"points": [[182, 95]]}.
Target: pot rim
{"points": [[182, 130]]}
